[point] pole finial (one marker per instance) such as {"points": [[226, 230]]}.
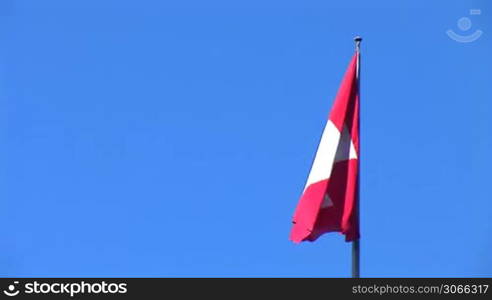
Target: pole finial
{"points": [[357, 41]]}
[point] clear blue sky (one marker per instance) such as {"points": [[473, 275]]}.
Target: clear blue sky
{"points": [[173, 138]]}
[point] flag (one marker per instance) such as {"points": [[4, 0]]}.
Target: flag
{"points": [[329, 200]]}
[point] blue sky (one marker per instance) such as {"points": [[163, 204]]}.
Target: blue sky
{"points": [[173, 138]]}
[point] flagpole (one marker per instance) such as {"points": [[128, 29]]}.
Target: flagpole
{"points": [[356, 243]]}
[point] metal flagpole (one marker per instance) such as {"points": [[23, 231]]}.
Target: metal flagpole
{"points": [[356, 243]]}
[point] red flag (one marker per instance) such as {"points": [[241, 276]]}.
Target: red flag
{"points": [[329, 200]]}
